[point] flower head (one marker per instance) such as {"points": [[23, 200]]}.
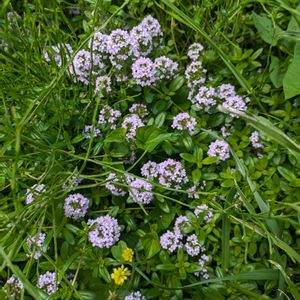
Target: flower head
{"points": [[109, 116], [120, 274], [135, 296], [48, 282], [103, 84], [13, 287], [140, 190], [144, 71], [76, 206], [139, 109], [219, 148], [90, 131], [254, 138], [165, 67], [128, 254], [192, 245], [205, 211], [35, 245], [170, 241], [150, 169], [58, 53], [131, 124], [104, 231], [34, 191], [115, 190], [194, 51], [183, 121]]}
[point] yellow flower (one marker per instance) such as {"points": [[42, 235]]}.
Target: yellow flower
{"points": [[128, 254], [119, 275]]}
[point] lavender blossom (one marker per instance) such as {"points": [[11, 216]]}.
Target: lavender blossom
{"points": [[84, 65], [109, 116], [195, 75], [104, 231], [35, 245], [135, 296], [103, 84], [144, 71], [165, 67], [194, 51], [89, 131], [119, 48], [131, 124], [48, 283], [180, 223], [170, 241], [140, 190], [192, 245], [150, 169], [219, 148], [205, 211], [201, 262], [59, 52], [139, 109], [254, 138], [191, 192], [99, 44], [204, 99], [34, 191], [73, 182], [13, 287], [76, 206], [226, 90], [171, 172], [235, 102], [117, 191], [183, 121], [224, 132]]}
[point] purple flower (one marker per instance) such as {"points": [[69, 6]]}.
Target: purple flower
{"points": [[109, 116], [201, 262], [131, 124], [171, 172], [165, 67], [235, 102], [103, 83], [99, 44], [219, 148], [191, 192], [254, 138], [117, 191], [226, 90], [59, 52], [145, 36], [205, 211], [192, 245], [48, 282], [34, 191], [144, 71], [104, 231], [139, 109], [140, 190], [194, 51], [89, 131], [72, 182], [13, 287], [195, 75], [84, 65], [76, 206], [204, 99], [35, 245], [224, 132], [183, 121], [169, 241], [135, 296], [118, 46], [150, 169], [180, 222]]}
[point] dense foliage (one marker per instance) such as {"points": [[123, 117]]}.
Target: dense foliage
{"points": [[149, 149]]}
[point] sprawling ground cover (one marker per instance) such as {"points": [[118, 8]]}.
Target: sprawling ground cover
{"points": [[149, 149]]}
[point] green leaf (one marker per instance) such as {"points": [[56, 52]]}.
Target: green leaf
{"points": [[166, 267], [287, 174], [188, 157], [177, 83], [291, 80], [117, 135], [160, 119], [151, 244], [267, 31], [117, 250], [210, 160], [276, 72]]}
